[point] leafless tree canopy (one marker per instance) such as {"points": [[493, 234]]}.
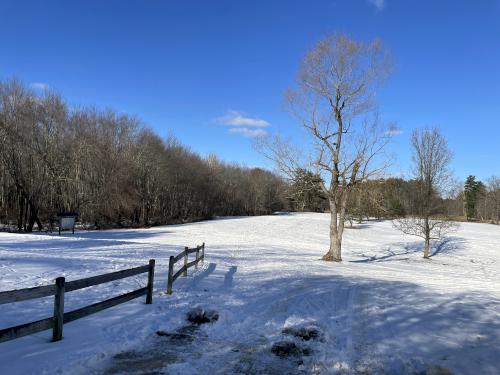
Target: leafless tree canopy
{"points": [[431, 159]]}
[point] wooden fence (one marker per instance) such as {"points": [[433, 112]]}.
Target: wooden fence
{"points": [[183, 270], [60, 288]]}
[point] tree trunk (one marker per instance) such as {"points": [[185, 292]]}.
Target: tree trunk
{"points": [[427, 238], [335, 252], [26, 208], [33, 218], [39, 223], [426, 248], [20, 221]]}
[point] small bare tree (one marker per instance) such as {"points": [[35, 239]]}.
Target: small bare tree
{"points": [[431, 158]]}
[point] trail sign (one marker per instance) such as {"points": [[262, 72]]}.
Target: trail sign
{"points": [[67, 221]]}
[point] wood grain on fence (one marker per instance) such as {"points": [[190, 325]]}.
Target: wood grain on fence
{"points": [[11, 333], [101, 279], [28, 293]]}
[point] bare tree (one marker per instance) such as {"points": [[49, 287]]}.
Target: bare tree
{"points": [[334, 101], [494, 194], [431, 158]]}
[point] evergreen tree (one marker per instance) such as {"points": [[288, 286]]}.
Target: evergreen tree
{"points": [[306, 193], [471, 189]]}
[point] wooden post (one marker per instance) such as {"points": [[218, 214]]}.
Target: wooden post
{"points": [[57, 329], [170, 275], [185, 273], [197, 256], [151, 277], [203, 252]]}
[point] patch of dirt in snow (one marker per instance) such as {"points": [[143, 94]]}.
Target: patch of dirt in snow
{"points": [[284, 349], [303, 333], [200, 316], [165, 349], [189, 350]]}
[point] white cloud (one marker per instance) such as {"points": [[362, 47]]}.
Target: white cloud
{"points": [[247, 132], [39, 86], [235, 118], [379, 4], [393, 131]]}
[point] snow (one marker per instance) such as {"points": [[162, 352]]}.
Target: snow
{"points": [[383, 310]]}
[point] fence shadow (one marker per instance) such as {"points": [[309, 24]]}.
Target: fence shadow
{"points": [[205, 272], [229, 276]]}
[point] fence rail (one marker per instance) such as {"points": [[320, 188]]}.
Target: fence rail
{"points": [[28, 293], [58, 290], [183, 270]]}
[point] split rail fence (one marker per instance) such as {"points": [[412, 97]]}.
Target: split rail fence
{"points": [[60, 288], [183, 270]]}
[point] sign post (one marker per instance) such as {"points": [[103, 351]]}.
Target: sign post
{"points": [[67, 221]]}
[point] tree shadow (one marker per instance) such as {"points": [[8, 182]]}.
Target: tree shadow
{"points": [[358, 226], [381, 326], [407, 249], [106, 234], [387, 324], [448, 245]]}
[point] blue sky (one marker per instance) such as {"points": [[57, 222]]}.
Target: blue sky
{"points": [[190, 68]]}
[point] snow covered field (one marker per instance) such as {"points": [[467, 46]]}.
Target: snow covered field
{"points": [[384, 310]]}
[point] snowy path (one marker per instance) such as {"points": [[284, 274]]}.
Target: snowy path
{"points": [[384, 310]]}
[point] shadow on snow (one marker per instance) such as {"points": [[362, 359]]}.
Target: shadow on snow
{"points": [[367, 326]]}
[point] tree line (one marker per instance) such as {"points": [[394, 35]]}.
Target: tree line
{"points": [[112, 170], [394, 197], [481, 200]]}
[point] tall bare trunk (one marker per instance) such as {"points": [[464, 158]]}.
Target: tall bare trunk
{"points": [[336, 228], [427, 238], [426, 248], [20, 213]]}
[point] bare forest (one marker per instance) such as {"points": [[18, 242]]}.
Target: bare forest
{"points": [[111, 170]]}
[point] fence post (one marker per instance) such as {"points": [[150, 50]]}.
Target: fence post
{"points": [[151, 277], [185, 273], [170, 275], [197, 257], [57, 328], [203, 252]]}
